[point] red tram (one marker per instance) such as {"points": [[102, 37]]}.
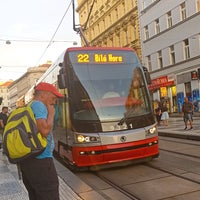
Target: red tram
{"points": [[106, 116]]}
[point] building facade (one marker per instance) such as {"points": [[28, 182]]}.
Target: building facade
{"points": [[19, 87], [165, 35], [170, 43], [4, 94], [110, 23]]}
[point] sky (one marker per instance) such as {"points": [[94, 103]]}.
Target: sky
{"points": [[30, 25]]}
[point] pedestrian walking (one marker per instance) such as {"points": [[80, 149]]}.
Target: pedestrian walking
{"points": [[3, 121], [187, 111], [158, 114], [165, 115]]}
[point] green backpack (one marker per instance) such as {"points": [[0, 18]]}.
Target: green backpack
{"points": [[21, 139]]}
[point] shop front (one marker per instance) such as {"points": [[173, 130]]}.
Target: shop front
{"points": [[163, 90], [188, 86]]}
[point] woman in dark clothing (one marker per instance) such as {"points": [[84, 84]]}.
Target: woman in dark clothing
{"points": [[158, 115]]}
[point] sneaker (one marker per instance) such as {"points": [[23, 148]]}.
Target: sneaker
{"points": [[185, 128], [191, 128]]}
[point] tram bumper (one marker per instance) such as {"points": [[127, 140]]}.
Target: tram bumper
{"points": [[115, 153]]}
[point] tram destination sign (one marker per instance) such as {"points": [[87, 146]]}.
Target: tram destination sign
{"points": [[99, 58]]}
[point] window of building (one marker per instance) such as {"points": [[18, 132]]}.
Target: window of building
{"points": [[133, 32], [105, 42], [157, 26], [198, 5], [172, 55], [133, 3], [116, 14], [199, 40], [188, 89], [149, 63], [169, 19], [124, 8], [146, 32], [183, 11], [127, 37], [110, 19], [117, 41], [112, 42], [147, 3], [98, 28], [160, 61], [186, 49], [93, 33], [104, 24]]}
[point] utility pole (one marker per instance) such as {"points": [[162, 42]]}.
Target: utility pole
{"points": [[78, 29]]}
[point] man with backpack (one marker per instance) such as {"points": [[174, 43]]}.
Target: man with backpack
{"points": [[187, 110], [39, 173]]}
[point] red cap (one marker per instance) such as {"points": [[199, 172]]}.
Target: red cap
{"points": [[48, 87]]}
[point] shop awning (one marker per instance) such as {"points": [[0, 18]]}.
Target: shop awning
{"points": [[162, 81]]}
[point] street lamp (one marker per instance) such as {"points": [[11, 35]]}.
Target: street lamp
{"points": [[75, 43], [8, 42]]}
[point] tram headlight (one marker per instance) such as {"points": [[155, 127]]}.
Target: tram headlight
{"points": [[151, 131], [86, 139], [80, 138]]}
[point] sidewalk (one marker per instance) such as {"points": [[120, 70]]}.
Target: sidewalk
{"points": [[176, 129], [11, 188], [71, 187]]}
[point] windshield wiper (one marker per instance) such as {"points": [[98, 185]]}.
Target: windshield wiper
{"points": [[127, 115]]}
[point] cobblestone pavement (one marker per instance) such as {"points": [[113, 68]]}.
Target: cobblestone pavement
{"points": [[11, 188]]}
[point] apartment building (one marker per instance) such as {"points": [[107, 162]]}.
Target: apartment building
{"points": [[4, 94], [165, 35], [18, 88], [110, 23], [170, 45]]}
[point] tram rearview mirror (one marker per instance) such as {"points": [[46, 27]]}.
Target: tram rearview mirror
{"points": [[147, 75], [62, 81]]}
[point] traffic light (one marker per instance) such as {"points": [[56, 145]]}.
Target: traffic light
{"points": [[1, 99]]}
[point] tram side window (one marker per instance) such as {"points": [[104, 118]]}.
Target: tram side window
{"points": [[78, 96]]}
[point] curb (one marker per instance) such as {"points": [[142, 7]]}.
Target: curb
{"points": [[177, 135]]}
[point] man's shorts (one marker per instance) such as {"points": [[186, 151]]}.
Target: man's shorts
{"points": [[187, 117]]}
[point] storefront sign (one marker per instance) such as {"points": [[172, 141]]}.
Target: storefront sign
{"points": [[160, 82]]}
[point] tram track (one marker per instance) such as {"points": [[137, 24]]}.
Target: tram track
{"points": [[117, 187], [131, 194], [185, 146], [174, 174], [179, 141], [177, 162], [177, 168], [179, 153]]}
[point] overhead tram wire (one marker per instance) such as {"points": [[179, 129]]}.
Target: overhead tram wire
{"points": [[34, 41], [91, 8], [79, 29], [51, 41]]}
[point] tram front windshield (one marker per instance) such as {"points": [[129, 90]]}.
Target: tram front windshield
{"points": [[108, 93]]}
